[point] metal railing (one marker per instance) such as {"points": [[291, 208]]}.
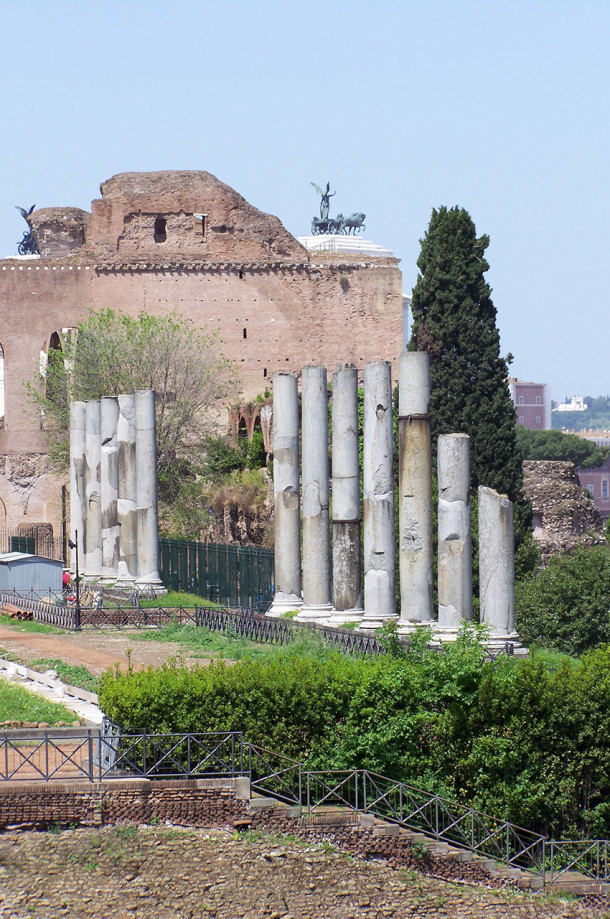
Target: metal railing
{"points": [[94, 755]]}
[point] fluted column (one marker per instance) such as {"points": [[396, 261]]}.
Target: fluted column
{"points": [[109, 488], [347, 590], [378, 491], [286, 476], [454, 532], [316, 523], [78, 495], [93, 509], [146, 491], [415, 490]]}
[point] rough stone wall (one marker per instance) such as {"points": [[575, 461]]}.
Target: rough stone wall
{"points": [[564, 514], [275, 306]]}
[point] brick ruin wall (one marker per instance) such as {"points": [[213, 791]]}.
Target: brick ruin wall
{"points": [[208, 803], [274, 306]]}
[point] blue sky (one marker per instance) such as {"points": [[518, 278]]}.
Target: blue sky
{"points": [[499, 106]]}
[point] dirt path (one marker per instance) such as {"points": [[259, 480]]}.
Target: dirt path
{"points": [[97, 651]]}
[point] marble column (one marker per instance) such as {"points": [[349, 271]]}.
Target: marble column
{"points": [[93, 509], [78, 498], [454, 534], [286, 478], [109, 488], [347, 590], [378, 493], [126, 500], [415, 490], [497, 564], [315, 485], [146, 491]]}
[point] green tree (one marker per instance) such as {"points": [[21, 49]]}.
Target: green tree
{"points": [[454, 320], [566, 607], [555, 445], [112, 353]]}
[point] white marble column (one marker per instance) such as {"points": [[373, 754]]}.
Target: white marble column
{"points": [[347, 590], [93, 509], [78, 496], [126, 502], [109, 489], [315, 485], [146, 492], [415, 490], [454, 532], [497, 565], [378, 492], [286, 477]]}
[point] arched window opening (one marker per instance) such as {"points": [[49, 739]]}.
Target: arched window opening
{"points": [[160, 230]]}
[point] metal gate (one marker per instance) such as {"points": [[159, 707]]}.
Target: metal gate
{"points": [[229, 575]]}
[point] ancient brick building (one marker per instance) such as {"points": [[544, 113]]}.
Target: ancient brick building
{"points": [[187, 242]]}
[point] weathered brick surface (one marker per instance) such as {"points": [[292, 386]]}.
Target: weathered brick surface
{"points": [[275, 306]]}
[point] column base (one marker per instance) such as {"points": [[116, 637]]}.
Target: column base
{"points": [[505, 643], [321, 613], [284, 603], [371, 623], [341, 616]]}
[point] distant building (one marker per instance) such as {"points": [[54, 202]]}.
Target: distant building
{"points": [[576, 404], [532, 402], [597, 481]]}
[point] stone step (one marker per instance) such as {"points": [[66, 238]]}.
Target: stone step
{"points": [[346, 818], [261, 803]]}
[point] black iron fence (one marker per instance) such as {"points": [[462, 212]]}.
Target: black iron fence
{"points": [[44, 756], [228, 575]]}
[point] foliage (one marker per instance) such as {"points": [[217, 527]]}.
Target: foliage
{"points": [[566, 607], [555, 445], [18, 704], [511, 737], [454, 320], [113, 353], [176, 598]]}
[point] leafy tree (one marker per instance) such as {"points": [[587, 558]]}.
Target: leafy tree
{"points": [[112, 353], [454, 320], [555, 445], [566, 607]]}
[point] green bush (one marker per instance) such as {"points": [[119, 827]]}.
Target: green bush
{"points": [[566, 607], [510, 737]]}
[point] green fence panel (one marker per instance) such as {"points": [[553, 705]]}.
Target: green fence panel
{"points": [[231, 575]]}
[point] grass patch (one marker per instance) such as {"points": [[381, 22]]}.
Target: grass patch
{"points": [[22, 625], [176, 598], [17, 704], [73, 674], [194, 638]]}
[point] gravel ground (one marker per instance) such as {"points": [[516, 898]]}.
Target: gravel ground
{"points": [[169, 873]]}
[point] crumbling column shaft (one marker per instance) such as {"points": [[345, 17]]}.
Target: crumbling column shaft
{"points": [[78, 496], [93, 510], [109, 476], [496, 562], [454, 536], [347, 592], [316, 536], [286, 475], [378, 491], [127, 494], [146, 489], [415, 489]]}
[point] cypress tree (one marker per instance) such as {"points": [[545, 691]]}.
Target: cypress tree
{"points": [[454, 320]]}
